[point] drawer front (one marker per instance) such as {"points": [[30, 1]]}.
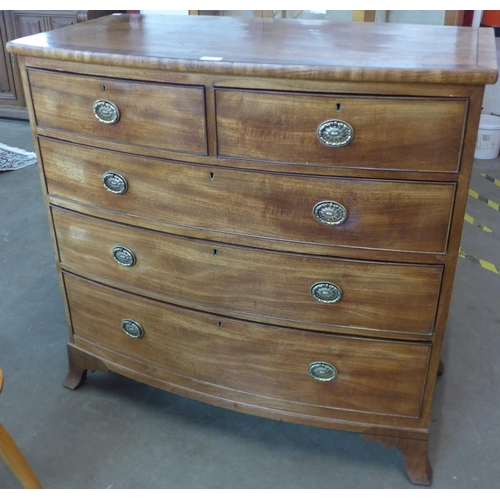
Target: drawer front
{"points": [[418, 134], [150, 114], [383, 215], [272, 285], [380, 377]]}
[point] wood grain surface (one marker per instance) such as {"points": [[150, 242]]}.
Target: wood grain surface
{"points": [[254, 47], [378, 296], [217, 140], [394, 216], [282, 127], [374, 376], [151, 114]]}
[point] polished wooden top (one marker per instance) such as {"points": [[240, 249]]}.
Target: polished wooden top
{"points": [[276, 48]]}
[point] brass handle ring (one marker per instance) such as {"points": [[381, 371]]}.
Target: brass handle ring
{"points": [[335, 133], [106, 112], [115, 183], [124, 256], [322, 371], [330, 213], [326, 292], [132, 328]]}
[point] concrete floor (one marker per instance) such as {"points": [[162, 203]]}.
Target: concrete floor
{"points": [[117, 433]]}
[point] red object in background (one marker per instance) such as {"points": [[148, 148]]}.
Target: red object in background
{"points": [[133, 11], [491, 18], [468, 17]]}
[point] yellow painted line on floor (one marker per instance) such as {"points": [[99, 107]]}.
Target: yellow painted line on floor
{"points": [[491, 179], [480, 197], [483, 263], [476, 223]]}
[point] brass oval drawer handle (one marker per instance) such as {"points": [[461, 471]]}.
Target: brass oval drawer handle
{"points": [[326, 292], [106, 112], [322, 371], [330, 213], [115, 183], [335, 133], [124, 256], [132, 328]]}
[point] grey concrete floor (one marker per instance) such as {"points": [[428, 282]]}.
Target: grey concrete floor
{"points": [[117, 433]]}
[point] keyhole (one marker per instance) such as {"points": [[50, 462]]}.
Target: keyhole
{"points": [[339, 107], [215, 252], [104, 88], [212, 175], [219, 324]]}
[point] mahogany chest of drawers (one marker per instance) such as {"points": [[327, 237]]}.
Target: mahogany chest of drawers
{"points": [[263, 215]]}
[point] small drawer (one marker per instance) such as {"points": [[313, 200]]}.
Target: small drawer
{"points": [[315, 292], [146, 114], [335, 212], [288, 369], [413, 134]]}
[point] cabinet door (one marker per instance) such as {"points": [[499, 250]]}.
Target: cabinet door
{"points": [[6, 80], [27, 23], [10, 88], [54, 22]]}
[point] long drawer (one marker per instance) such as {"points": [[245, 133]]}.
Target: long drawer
{"points": [[373, 376], [315, 292], [148, 114], [418, 134], [336, 212]]}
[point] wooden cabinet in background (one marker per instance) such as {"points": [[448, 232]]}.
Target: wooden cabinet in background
{"points": [[20, 23], [11, 95]]}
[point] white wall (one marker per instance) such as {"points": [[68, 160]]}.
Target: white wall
{"points": [[491, 101], [410, 16], [166, 12]]}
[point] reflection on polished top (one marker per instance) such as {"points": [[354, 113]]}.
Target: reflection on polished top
{"points": [[275, 47]]}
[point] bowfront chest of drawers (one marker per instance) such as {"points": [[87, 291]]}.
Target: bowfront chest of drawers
{"points": [[262, 215]]}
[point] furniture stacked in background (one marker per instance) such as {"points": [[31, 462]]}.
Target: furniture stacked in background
{"points": [[19, 23]]}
